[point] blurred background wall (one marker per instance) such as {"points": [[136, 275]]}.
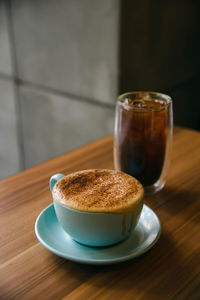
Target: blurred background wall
{"points": [[63, 63]]}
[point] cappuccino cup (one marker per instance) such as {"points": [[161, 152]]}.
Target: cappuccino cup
{"points": [[97, 207]]}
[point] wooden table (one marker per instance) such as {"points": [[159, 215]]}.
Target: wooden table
{"points": [[170, 270]]}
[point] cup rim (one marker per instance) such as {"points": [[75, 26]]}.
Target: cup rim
{"points": [[164, 97]]}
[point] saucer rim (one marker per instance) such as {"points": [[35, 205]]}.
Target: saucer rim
{"points": [[93, 261]]}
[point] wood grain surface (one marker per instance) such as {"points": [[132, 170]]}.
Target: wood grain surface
{"points": [[170, 270]]}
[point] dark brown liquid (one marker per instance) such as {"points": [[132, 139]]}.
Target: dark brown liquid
{"points": [[142, 131]]}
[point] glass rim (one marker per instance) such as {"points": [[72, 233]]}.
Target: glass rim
{"points": [[162, 96]]}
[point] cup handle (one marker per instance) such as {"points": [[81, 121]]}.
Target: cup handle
{"points": [[54, 179]]}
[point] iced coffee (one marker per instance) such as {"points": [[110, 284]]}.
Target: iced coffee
{"points": [[143, 131]]}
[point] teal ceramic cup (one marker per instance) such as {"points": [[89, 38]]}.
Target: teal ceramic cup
{"points": [[93, 228]]}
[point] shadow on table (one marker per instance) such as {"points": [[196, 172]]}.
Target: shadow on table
{"points": [[161, 271], [173, 199]]}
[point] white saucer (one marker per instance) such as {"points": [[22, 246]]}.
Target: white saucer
{"points": [[51, 235]]}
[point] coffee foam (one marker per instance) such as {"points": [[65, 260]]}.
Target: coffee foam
{"points": [[99, 190]]}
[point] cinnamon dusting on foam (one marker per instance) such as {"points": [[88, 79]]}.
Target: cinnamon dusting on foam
{"points": [[99, 191]]}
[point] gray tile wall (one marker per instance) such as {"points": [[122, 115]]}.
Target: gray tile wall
{"points": [[5, 49], [9, 150], [58, 80], [54, 124], [68, 45]]}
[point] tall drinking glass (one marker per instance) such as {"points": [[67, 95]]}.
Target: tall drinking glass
{"points": [[143, 137]]}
